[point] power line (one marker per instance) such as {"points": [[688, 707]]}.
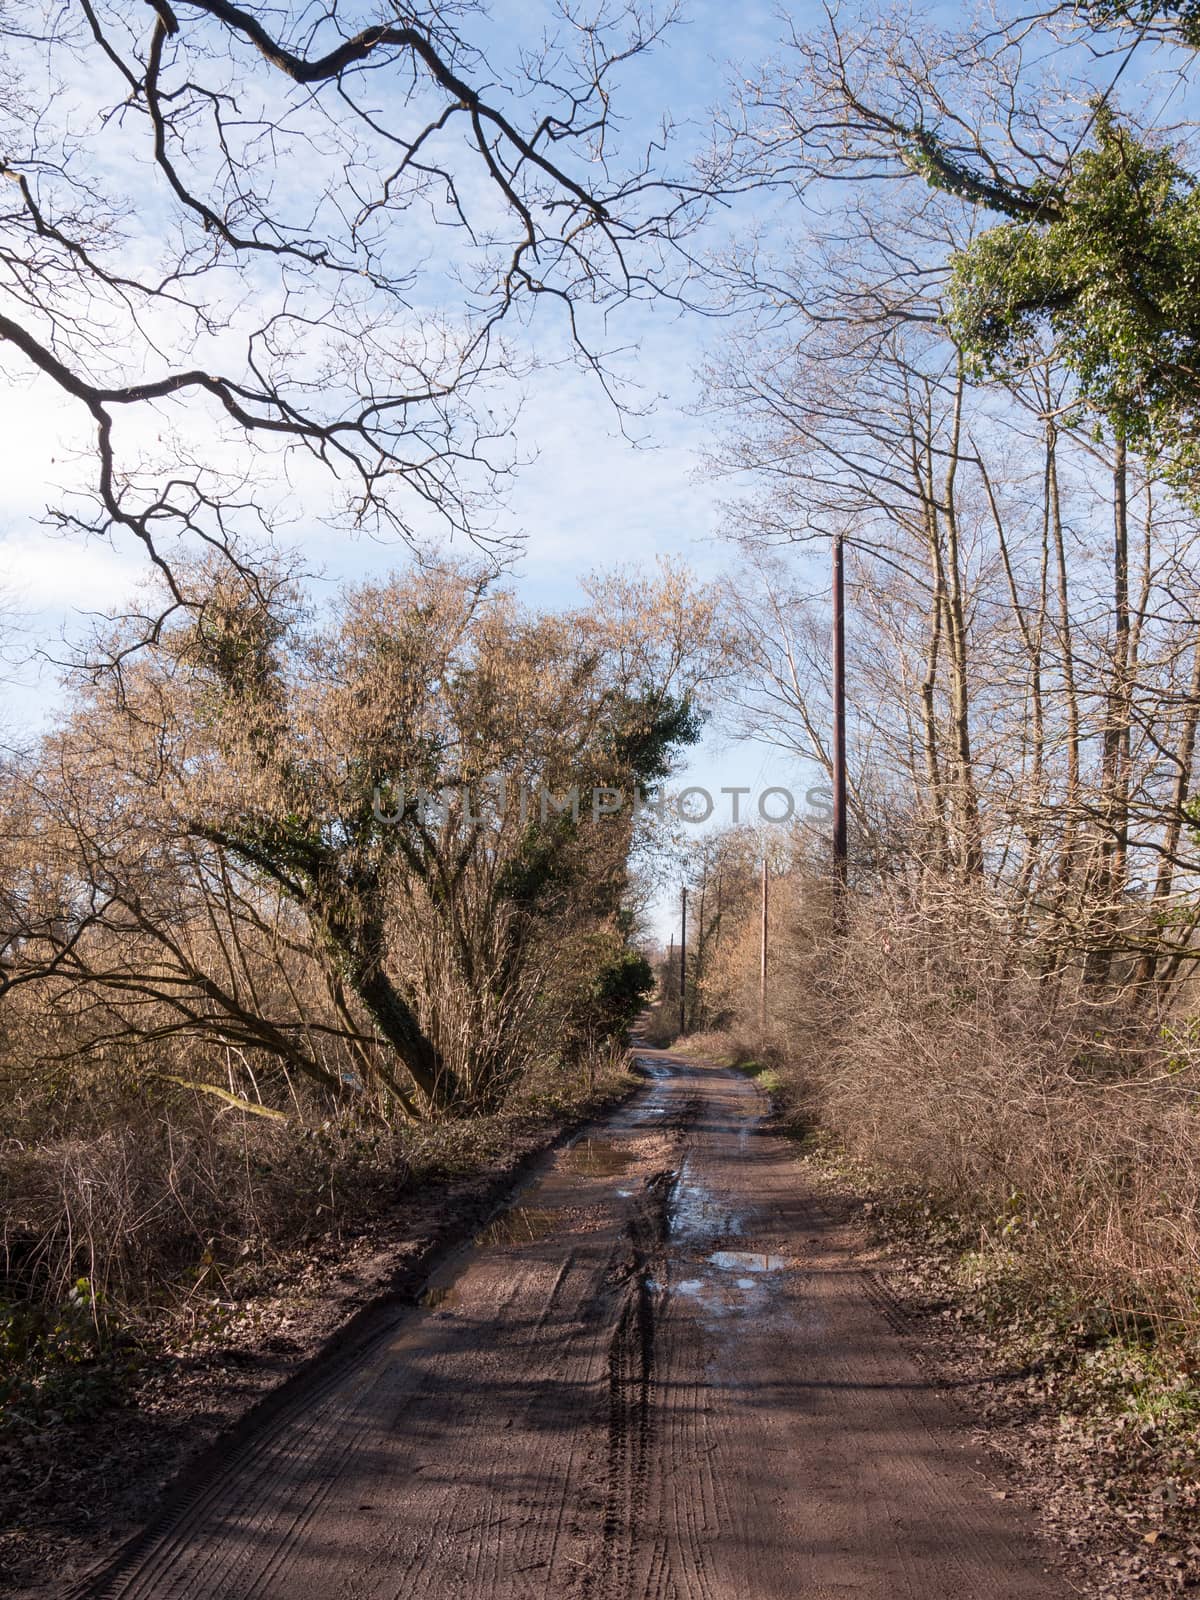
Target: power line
{"points": [[1088, 126]]}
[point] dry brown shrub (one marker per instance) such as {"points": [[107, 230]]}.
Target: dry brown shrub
{"points": [[1058, 1121], [157, 1195]]}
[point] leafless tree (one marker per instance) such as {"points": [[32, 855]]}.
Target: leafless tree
{"points": [[1022, 591], [231, 236], [368, 848]]}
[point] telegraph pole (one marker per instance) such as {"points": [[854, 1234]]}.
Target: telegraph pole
{"points": [[839, 718], [762, 957], [683, 962]]}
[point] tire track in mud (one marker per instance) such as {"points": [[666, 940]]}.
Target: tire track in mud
{"points": [[665, 1377], [631, 1382]]}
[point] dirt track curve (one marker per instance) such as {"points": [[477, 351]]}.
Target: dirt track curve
{"points": [[658, 1373]]}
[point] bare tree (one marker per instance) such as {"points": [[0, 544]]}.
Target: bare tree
{"points": [[228, 233], [384, 848], [1021, 642]]}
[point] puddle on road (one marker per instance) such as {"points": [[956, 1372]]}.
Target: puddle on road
{"points": [[597, 1158], [741, 1282], [653, 1069], [696, 1213], [519, 1225], [439, 1296], [526, 1224], [720, 1283], [724, 1297], [747, 1261]]}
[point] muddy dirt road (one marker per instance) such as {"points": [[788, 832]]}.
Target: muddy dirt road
{"points": [[659, 1373]]}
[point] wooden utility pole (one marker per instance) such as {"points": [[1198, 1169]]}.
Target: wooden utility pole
{"points": [[839, 718], [762, 958], [683, 963], [700, 926]]}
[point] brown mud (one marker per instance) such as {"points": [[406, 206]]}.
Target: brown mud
{"points": [[661, 1372]]}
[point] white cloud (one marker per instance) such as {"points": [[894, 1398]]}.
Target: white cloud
{"points": [[41, 572]]}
